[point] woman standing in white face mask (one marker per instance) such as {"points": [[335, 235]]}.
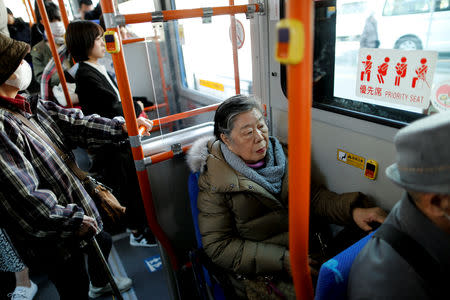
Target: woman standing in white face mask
{"points": [[41, 53], [19, 79], [42, 203]]}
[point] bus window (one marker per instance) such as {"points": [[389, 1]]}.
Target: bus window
{"points": [[398, 24], [138, 6], [206, 51]]}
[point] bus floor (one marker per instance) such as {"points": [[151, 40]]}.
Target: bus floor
{"points": [[141, 264]]}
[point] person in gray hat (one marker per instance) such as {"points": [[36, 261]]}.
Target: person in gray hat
{"points": [[409, 255]]}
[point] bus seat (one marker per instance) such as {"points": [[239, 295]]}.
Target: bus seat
{"points": [[201, 272], [334, 273], [193, 193]]}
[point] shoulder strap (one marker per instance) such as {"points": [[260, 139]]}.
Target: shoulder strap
{"points": [[65, 157], [416, 256]]}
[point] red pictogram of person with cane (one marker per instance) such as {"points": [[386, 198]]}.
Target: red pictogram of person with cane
{"points": [[421, 73], [400, 69], [382, 70], [367, 68]]}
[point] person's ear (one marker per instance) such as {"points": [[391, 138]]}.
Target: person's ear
{"points": [[225, 140]]}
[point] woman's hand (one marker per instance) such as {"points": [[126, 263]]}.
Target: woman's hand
{"points": [[146, 123], [364, 216]]}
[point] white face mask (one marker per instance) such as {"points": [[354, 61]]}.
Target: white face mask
{"points": [[23, 76], [58, 31]]}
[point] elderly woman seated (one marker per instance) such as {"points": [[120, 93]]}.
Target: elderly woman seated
{"points": [[243, 196]]}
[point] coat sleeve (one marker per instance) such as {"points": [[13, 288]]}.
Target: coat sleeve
{"points": [[25, 204], [77, 129], [38, 63], [335, 208], [225, 247]]}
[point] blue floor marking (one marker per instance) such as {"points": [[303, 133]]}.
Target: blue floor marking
{"points": [[153, 263]]}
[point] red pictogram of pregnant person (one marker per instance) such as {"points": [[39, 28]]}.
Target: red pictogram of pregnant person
{"points": [[382, 70]]}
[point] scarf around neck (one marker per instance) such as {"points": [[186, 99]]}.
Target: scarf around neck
{"points": [[271, 175]]}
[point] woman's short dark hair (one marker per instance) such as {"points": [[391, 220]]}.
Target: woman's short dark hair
{"points": [[80, 38], [227, 112], [52, 10]]}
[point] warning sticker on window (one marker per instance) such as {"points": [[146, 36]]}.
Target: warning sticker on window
{"points": [[351, 159], [396, 76], [212, 85]]}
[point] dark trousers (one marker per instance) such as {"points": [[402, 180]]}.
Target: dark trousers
{"points": [[96, 270], [69, 275], [108, 163]]}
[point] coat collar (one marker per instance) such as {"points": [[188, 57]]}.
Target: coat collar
{"points": [[419, 227], [98, 73]]}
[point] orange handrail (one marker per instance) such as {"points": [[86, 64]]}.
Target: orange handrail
{"points": [[32, 11], [187, 13], [161, 72], [62, 9], [55, 55], [153, 107], [132, 40], [237, 82], [300, 101], [138, 153], [185, 114], [28, 12], [167, 155]]}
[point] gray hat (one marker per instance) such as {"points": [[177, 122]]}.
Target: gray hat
{"points": [[423, 155]]}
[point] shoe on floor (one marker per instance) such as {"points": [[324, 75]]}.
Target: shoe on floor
{"points": [[24, 293], [123, 283], [141, 241]]}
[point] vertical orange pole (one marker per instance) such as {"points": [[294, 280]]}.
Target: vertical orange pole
{"points": [[138, 153], [28, 12], [161, 72], [32, 11], [237, 81], [55, 55], [300, 100], [64, 16]]}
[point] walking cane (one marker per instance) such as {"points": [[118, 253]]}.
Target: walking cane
{"points": [[112, 282], [100, 255]]}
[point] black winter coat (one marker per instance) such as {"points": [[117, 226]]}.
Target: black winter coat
{"points": [[96, 94], [20, 31]]}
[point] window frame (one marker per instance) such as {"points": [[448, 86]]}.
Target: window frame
{"points": [[330, 104]]}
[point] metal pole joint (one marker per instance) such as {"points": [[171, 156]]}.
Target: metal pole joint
{"points": [[157, 16], [139, 165], [135, 141], [176, 149], [207, 14]]}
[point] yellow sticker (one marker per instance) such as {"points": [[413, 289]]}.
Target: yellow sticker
{"points": [[212, 85], [351, 159]]}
